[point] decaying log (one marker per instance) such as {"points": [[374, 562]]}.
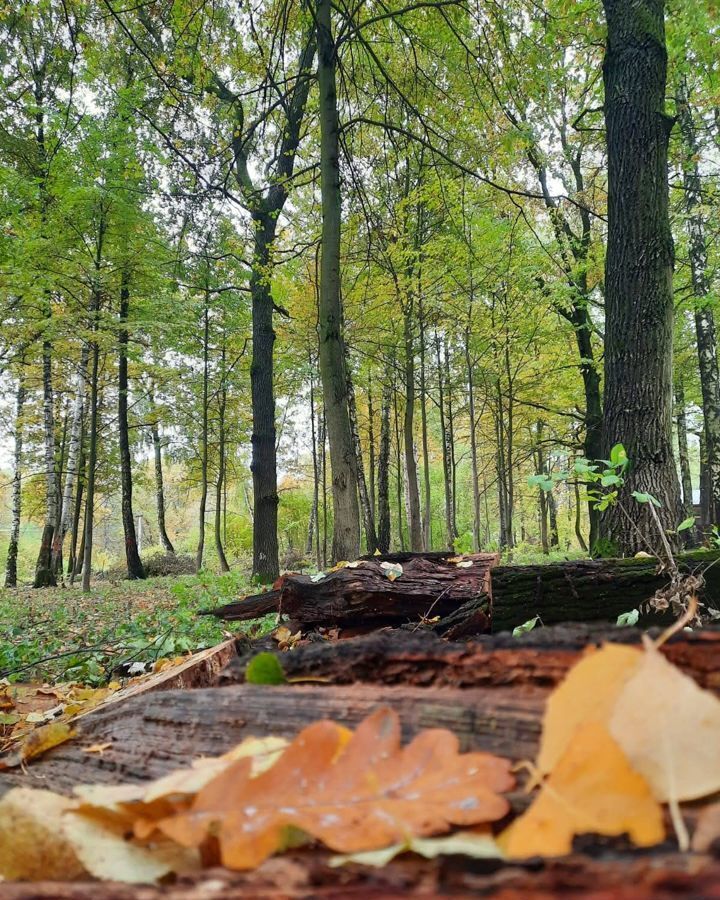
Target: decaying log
{"points": [[302, 875], [363, 594], [587, 590], [539, 658], [153, 734]]}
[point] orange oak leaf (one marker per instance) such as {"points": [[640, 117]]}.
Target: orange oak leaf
{"points": [[358, 794], [592, 790]]}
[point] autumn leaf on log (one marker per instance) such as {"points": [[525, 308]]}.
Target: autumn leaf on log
{"points": [[37, 742], [356, 794], [592, 790]]}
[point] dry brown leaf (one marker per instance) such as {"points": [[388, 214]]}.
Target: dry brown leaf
{"points": [[37, 742], [587, 694], [669, 729], [358, 794], [592, 790]]}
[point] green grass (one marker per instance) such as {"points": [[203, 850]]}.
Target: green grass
{"points": [[61, 634]]}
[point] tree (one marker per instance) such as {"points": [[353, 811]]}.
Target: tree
{"points": [[638, 283]]}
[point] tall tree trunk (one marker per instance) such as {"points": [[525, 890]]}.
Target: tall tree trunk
{"points": [[12, 554], [384, 471], [323, 469], [346, 518], [222, 558], [427, 498], [365, 506], [704, 484], [473, 440], [552, 520], [74, 558], [313, 536], [73, 462], [704, 317], [371, 451], [87, 547], [400, 482], [451, 437], [413, 492], [132, 556], [44, 573], [542, 495], [266, 565], [204, 439], [160, 484], [683, 455], [638, 271], [447, 465]]}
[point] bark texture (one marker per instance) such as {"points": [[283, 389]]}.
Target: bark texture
{"points": [[12, 554], [638, 271]]}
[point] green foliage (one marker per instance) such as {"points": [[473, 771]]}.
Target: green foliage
{"points": [[265, 668]]}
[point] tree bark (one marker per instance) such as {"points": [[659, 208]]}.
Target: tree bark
{"points": [[160, 486], [447, 472], [473, 439], [365, 505], [638, 272], [74, 558], [399, 481], [204, 439], [132, 556], [704, 316], [683, 455], [346, 518], [313, 536], [87, 547], [427, 498], [12, 554], [44, 573], [413, 493], [384, 471], [222, 405], [371, 451]]}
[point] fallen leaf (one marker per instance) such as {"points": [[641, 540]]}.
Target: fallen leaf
{"points": [[669, 729], [97, 748], [6, 702], [392, 570], [32, 844], [465, 564], [358, 794], [37, 717], [463, 843], [591, 790], [37, 742], [587, 694]]}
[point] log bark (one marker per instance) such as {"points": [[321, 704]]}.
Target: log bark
{"points": [[586, 590]]}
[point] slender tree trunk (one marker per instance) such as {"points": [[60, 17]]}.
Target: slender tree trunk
{"points": [[74, 560], [553, 522], [323, 469], [12, 554], [400, 482], [542, 495], [413, 493], [132, 556], [447, 466], [266, 564], [450, 421], [683, 455], [638, 271], [473, 443], [87, 547], [222, 558], [160, 486], [365, 506], [204, 440], [704, 316], [371, 451], [346, 518], [704, 484], [384, 471], [44, 573], [73, 462], [427, 499], [313, 536]]}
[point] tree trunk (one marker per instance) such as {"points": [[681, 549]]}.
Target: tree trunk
{"points": [[160, 487], [450, 422], [204, 440], [313, 536], [12, 554], [384, 471], [346, 518], [447, 473], [704, 316], [132, 556], [683, 455], [74, 558], [323, 470], [413, 493], [473, 442], [44, 573], [365, 505], [400, 481], [427, 499], [266, 566], [87, 547], [638, 272], [222, 559], [371, 451], [73, 462]]}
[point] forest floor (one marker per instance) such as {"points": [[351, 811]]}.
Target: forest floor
{"points": [[61, 634]]}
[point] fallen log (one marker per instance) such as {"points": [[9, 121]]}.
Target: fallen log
{"points": [[540, 658], [365, 593], [588, 590]]}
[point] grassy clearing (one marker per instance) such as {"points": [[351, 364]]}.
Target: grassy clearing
{"points": [[61, 634]]}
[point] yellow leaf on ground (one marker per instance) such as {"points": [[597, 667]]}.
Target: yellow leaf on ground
{"points": [[361, 794], [592, 790], [588, 694], [32, 844], [669, 729], [37, 742], [474, 844]]}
